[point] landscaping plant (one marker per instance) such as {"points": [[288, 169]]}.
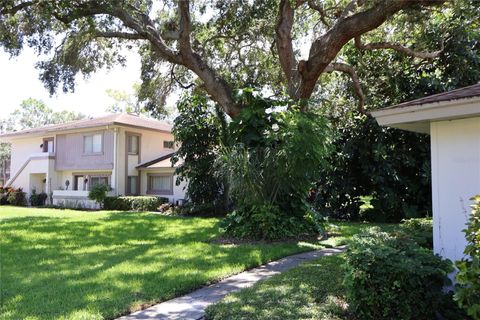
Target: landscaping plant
{"points": [[392, 277], [37, 199], [419, 230], [136, 203], [98, 193], [276, 158], [200, 130], [468, 277]]}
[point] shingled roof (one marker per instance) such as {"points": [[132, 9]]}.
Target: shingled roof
{"points": [[462, 93], [122, 119]]}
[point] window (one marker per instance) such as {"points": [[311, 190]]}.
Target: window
{"points": [[92, 143], [47, 145], [168, 144], [94, 180], [132, 185], [160, 184], [132, 144]]}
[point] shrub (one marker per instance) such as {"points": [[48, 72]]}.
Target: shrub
{"points": [[394, 278], [468, 277], [267, 222], [419, 230], [271, 168], [98, 193], [137, 203], [37, 199], [16, 197]]}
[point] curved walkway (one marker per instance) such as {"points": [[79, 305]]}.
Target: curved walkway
{"points": [[192, 306]]}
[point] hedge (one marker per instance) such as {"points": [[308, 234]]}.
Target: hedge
{"points": [[392, 277], [136, 203]]}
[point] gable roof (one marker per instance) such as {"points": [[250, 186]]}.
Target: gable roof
{"points": [[416, 115], [121, 119]]}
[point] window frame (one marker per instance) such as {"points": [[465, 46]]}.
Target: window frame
{"points": [[166, 144], [102, 143], [129, 189], [45, 144], [130, 135], [159, 192]]}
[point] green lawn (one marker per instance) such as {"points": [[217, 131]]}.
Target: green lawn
{"points": [[63, 264], [314, 290]]}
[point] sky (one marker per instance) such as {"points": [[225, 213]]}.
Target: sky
{"points": [[19, 80]]}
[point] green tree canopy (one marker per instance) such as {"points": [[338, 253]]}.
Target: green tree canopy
{"points": [[222, 45]]}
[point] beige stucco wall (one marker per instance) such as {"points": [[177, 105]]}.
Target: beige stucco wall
{"points": [[178, 191], [151, 146], [455, 179]]}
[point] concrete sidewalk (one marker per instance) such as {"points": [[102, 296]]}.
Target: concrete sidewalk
{"points": [[192, 306]]}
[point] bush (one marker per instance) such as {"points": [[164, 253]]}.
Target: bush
{"points": [[394, 278], [267, 222], [140, 203], [271, 167], [99, 193], [16, 197], [37, 199], [468, 277], [419, 230]]}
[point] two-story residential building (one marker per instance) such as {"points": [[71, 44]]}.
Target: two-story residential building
{"points": [[129, 153]]}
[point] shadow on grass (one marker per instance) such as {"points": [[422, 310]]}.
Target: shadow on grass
{"points": [[101, 268]]}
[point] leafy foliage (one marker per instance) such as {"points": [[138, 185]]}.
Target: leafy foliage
{"points": [[393, 166], [271, 168], [468, 276], [394, 278], [136, 203], [37, 199], [200, 131], [12, 196], [98, 193], [390, 165], [419, 230]]}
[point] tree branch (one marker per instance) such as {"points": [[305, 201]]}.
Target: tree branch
{"points": [[117, 34], [319, 8], [14, 9], [397, 47], [325, 48], [348, 69], [284, 45], [185, 27]]}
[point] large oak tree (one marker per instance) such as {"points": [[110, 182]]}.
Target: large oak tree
{"points": [[218, 45]]}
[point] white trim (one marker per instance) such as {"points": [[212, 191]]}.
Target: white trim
{"points": [[418, 117]]}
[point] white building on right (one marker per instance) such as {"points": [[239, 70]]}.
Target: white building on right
{"points": [[453, 121]]}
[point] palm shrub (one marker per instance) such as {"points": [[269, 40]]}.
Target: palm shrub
{"points": [[98, 193], [468, 277], [270, 170], [391, 277]]}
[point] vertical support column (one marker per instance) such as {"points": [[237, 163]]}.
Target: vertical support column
{"points": [[114, 180]]}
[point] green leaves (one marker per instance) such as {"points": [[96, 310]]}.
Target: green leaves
{"points": [[392, 277], [468, 277]]}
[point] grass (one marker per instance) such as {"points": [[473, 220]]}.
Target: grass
{"points": [[313, 290], [63, 264]]}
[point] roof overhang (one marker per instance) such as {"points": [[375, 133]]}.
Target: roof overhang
{"points": [[417, 118]]}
